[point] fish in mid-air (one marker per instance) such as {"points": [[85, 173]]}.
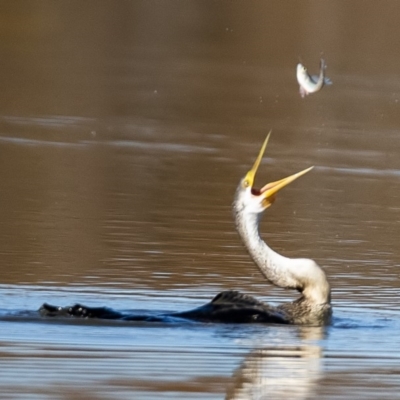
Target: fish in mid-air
{"points": [[311, 84]]}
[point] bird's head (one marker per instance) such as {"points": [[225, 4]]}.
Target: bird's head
{"points": [[254, 201]]}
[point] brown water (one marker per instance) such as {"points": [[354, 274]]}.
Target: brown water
{"points": [[124, 129]]}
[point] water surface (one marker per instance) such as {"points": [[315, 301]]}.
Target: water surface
{"points": [[124, 130]]}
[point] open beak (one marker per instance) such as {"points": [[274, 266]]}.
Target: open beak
{"points": [[269, 191]]}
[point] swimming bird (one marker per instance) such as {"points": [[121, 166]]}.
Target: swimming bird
{"points": [[312, 308], [301, 274], [311, 84]]}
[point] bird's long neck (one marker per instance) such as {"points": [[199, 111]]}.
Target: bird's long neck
{"points": [[267, 260], [301, 274]]}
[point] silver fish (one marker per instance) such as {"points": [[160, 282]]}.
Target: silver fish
{"points": [[311, 84]]}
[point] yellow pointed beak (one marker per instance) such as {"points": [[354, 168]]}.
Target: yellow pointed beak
{"points": [[270, 189], [250, 176]]}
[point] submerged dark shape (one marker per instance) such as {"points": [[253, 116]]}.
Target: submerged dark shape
{"points": [[304, 275], [227, 307]]}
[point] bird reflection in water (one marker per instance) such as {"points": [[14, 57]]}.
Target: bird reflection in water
{"points": [[281, 372]]}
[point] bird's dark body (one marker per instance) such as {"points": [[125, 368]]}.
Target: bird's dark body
{"points": [[227, 307]]}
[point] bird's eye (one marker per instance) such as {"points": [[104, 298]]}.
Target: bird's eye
{"points": [[246, 183]]}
